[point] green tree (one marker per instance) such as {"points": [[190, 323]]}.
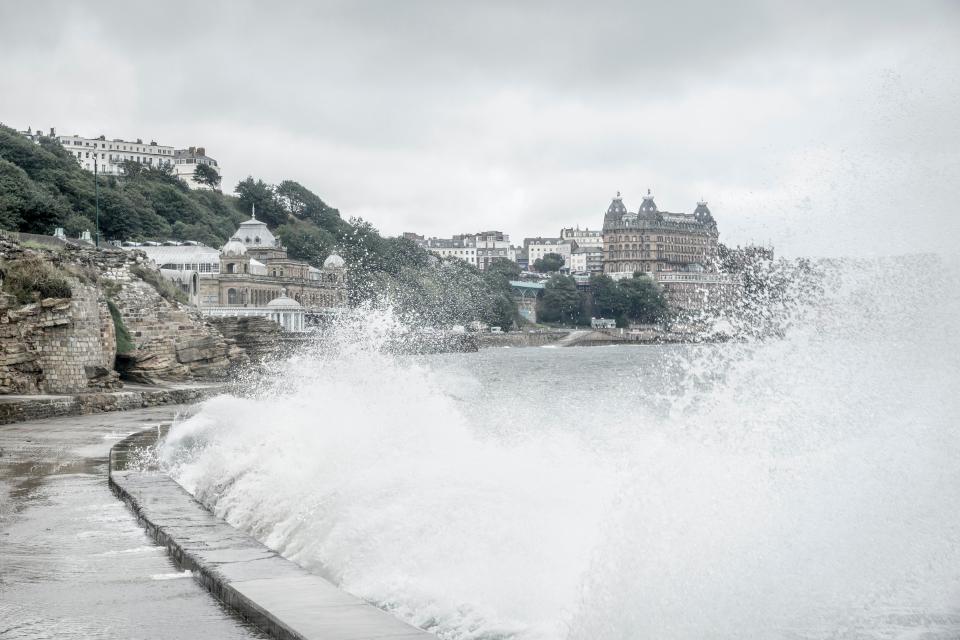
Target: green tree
{"points": [[306, 242], [507, 269], [300, 202], [561, 301], [643, 299], [26, 206], [258, 193], [549, 263], [76, 224], [502, 312], [608, 298], [207, 175]]}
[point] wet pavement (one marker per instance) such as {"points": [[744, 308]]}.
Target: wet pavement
{"points": [[74, 563]]}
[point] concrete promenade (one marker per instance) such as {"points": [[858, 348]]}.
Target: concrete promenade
{"points": [[275, 594], [74, 562], [18, 408]]}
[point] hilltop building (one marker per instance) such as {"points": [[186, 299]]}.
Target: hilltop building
{"points": [[185, 163], [110, 155]]}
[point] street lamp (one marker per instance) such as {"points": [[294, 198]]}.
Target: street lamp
{"points": [[96, 190]]}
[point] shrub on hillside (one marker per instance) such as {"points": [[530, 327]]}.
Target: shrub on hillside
{"points": [[33, 278], [167, 290]]}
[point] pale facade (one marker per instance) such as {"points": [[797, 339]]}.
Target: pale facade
{"points": [[110, 154], [184, 257], [539, 247], [185, 163], [255, 269], [478, 249], [444, 248], [577, 261], [651, 240], [249, 274], [584, 238]]}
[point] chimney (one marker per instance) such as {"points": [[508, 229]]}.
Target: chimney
{"points": [[201, 151], [193, 151], [53, 132]]}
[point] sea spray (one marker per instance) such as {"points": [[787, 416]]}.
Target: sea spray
{"points": [[798, 487]]}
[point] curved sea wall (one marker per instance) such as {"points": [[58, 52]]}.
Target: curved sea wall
{"points": [[273, 593]]}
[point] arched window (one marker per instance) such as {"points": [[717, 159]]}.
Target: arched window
{"points": [[231, 267], [231, 295]]}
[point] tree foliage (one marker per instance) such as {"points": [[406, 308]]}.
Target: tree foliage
{"points": [[549, 263], [637, 299], [561, 301], [206, 175]]}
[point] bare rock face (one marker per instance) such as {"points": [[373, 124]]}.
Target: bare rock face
{"points": [[171, 341], [259, 337]]}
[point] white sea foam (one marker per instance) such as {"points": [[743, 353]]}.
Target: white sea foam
{"points": [[186, 573], [805, 487]]}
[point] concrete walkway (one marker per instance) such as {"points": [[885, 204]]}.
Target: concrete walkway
{"points": [[572, 338], [74, 562], [277, 595]]}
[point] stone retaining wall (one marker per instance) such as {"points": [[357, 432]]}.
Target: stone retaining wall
{"points": [[58, 345], [519, 339], [22, 409]]}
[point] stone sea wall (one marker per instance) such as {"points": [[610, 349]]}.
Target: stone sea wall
{"points": [[58, 345], [19, 409]]}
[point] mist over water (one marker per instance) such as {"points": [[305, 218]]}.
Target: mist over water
{"points": [[803, 487]]}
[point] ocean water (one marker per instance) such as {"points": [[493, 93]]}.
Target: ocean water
{"points": [[800, 487]]}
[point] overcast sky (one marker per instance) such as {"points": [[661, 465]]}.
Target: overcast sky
{"points": [[824, 128]]}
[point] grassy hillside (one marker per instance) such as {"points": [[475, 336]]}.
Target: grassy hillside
{"points": [[43, 187]]}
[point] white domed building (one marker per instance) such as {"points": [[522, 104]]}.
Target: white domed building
{"points": [[256, 277], [287, 312]]}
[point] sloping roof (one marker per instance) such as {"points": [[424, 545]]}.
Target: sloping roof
{"points": [[616, 206], [520, 284], [254, 233], [180, 254], [648, 205]]}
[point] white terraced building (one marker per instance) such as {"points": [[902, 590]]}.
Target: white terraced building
{"points": [[110, 154], [185, 163]]}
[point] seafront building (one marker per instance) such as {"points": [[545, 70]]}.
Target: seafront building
{"points": [[251, 275], [677, 250], [650, 240]]}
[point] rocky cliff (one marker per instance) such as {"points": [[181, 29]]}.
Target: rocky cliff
{"points": [[67, 342]]}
